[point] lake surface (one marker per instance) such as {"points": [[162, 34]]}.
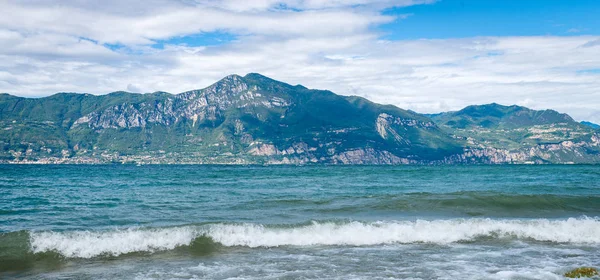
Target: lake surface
{"points": [[287, 222]]}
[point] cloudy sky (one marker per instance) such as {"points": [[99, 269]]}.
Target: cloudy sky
{"points": [[424, 55]]}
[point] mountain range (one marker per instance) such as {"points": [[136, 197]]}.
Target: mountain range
{"points": [[256, 120]]}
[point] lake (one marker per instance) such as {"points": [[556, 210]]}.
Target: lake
{"points": [[293, 222]]}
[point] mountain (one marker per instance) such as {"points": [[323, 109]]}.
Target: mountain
{"points": [[592, 125], [250, 119], [499, 116], [257, 120], [519, 134]]}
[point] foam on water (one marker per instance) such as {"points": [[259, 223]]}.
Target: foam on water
{"points": [[86, 244], [437, 231]]}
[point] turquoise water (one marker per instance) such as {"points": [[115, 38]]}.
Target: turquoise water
{"points": [[284, 222]]}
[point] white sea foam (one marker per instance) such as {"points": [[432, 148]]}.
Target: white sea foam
{"points": [[84, 244], [437, 231]]}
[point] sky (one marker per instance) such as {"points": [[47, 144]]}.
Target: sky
{"points": [[424, 55]]}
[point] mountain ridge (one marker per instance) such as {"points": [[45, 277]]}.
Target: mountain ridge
{"points": [[254, 119], [590, 124]]}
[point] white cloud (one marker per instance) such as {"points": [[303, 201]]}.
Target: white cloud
{"points": [[136, 25], [47, 48]]}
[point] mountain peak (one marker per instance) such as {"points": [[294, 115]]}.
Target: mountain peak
{"points": [[267, 83], [590, 124], [232, 77], [230, 83], [259, 78], [254, 75], [7, 95], [494, 115]]}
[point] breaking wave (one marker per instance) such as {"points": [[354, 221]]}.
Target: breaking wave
{"points": [[90, 244]]}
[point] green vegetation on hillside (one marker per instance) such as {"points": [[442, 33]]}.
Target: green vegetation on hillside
{"points": [[255, 119], [554, 137]]}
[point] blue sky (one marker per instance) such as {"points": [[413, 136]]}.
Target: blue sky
{"points": [[424, 55], [200, 39], [470, 18], [464, 18]]}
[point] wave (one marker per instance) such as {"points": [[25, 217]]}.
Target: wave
{"points": [[487, 204], [585, 230], [89, 244]]}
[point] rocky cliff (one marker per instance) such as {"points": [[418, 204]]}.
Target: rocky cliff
{"points": [[257, 120]]}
